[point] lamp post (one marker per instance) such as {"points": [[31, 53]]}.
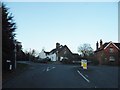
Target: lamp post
{"points": [[15, 50]]}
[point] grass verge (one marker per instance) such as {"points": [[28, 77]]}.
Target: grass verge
{"points": [[11, 74]]}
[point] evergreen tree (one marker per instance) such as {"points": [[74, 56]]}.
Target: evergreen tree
{"points": [[8, 36]]}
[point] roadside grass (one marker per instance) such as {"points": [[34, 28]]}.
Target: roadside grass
{"points": [[21, 66], [11, 74]]}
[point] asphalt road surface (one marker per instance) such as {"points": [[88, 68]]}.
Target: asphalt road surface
{"points": [[65, 76]]}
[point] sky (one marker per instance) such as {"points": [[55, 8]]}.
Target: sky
{"points": [[43, 24]]}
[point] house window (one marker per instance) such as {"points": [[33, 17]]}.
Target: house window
{"points": [[111, 58], [111, 50], [61, 58], [65, 52]]}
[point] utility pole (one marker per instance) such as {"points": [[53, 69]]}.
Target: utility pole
{"points": [[15, 50], [30, 55]]}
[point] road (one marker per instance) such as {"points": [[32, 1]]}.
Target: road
{"points": [[65, 76]]}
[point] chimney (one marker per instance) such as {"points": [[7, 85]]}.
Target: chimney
{"points": [[101, 43], [97, 45], [57, 45]]}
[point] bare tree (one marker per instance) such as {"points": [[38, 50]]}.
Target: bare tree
{"points": [[85, 49]]}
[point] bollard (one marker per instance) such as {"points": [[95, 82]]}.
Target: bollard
{"points": [[10, 67], [85, 64]]}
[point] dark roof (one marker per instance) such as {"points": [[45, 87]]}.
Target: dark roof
{"points": [[117, 44], [53, 51], [105, 44], [76, 54], [22, 52], [59, 49], [46, 52], [62, 48]]}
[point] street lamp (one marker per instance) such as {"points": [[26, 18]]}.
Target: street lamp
{"points": [[15, 50]]}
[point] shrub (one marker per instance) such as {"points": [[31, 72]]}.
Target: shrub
{"points": [[66, 61], [95, 62]]}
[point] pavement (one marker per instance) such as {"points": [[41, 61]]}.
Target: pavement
{"points": [[64, 76]]}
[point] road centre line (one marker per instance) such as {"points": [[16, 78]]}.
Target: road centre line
{"points": [[83, 76]]}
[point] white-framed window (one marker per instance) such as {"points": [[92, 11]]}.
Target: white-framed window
{"points": [[111, 50], [112, 58], [65, 52], [61, 58]]}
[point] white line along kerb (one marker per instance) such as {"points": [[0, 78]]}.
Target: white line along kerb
{"points": [[83, 76]]}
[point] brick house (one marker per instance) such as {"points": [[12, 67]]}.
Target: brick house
{"points": [[108, 53], [63, 52]]}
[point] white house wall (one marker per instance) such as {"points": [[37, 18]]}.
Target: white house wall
{"points": [[42, 55], [52, 57]]}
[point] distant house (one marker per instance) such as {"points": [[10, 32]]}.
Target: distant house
{"points": [[63, 52], [108, 53], [51, 55], [59, 53], [42, 54]]}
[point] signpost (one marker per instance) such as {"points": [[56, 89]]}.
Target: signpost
{"points": [[9, 65]]}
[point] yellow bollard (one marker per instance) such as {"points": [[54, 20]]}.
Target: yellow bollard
{"points": [[85, 64]]}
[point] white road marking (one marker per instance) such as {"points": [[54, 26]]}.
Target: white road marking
{"points": [[47, 69], [83, 76]]}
